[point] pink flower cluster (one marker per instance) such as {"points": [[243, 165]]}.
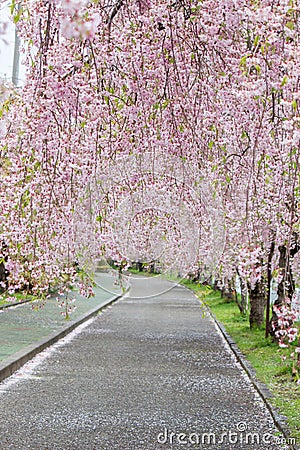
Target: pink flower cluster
{"points": [[144, 123], [285, 331], [249, 265]]}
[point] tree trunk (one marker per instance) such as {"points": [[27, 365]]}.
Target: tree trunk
{"points": [[139, 266], [257, 297], [243, 302], [151, 267], [4, 273], [217, 284], [286, 287], [228, 290], [269, 285]]}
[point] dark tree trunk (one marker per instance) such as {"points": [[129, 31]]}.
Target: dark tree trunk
{"points": [[3, 277], [230, 294], [257, 297], [139, 266], [286, 287], [269, 284], [152, 267], [217, 284], [4, 273], [228, 290], [196, 276]]}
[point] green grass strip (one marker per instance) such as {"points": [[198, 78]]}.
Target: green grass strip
{"points": [[272, 364]]}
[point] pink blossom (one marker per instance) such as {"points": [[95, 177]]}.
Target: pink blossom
{"points": [[72, 6]]}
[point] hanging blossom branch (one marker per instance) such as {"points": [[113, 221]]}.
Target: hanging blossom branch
{"points": [[216, 93], [114, 12]]}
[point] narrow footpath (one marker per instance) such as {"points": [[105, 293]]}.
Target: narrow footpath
{"points": [[148, 373]]}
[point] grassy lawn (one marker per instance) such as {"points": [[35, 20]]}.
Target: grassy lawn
{"points": [[273, 365]]}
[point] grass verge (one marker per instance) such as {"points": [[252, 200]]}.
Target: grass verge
{"points": [[17, 297], [272, 364]]}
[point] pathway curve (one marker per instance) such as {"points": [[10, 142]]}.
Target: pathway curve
{"points": [[149, 373]]}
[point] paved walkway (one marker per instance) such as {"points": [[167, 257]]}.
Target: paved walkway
{"points": [[20, 326], [149, 373]]}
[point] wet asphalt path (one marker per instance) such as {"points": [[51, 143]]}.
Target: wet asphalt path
{"points": [[149, 373]]}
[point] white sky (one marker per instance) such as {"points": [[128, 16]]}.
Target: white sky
{"points": [[7, 49]]}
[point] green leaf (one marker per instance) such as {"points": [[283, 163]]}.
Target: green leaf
{"points": [[290, 25], [17, 16], [243, 61], [12, 6], [285, 79], [256, 41]]}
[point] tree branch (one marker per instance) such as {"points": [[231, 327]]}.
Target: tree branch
{"points": [[114, 12]]}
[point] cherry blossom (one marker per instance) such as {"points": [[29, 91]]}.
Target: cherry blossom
{"points": [[208, 91]]}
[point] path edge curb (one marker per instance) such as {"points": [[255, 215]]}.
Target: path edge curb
{"points": [[11, 305], [261, 388], [14, 362]]}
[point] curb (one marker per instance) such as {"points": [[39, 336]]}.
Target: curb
{"points": [[261, 388], [11, 305], [17, 360]]}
